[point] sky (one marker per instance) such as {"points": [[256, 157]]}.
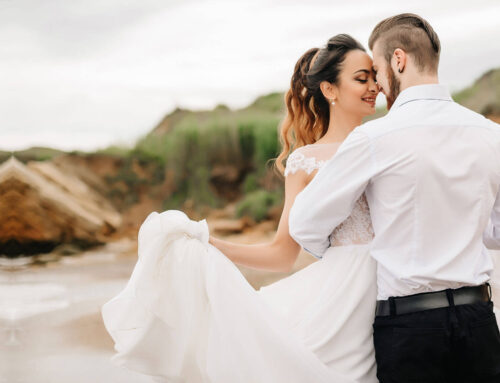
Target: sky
{"points": [[86, 74]]}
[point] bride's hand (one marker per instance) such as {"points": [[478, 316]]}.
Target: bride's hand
{"points": [[212, 240]]}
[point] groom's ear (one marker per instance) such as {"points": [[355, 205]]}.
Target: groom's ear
{"points": [[329, 90], [399, 60]]}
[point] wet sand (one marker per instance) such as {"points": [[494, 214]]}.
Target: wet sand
{"points": [[51, 327]]}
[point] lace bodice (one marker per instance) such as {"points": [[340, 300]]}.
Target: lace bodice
{"points": [[357, 228]]}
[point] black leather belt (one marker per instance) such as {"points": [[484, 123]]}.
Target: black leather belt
{"points": [[434, 300]]}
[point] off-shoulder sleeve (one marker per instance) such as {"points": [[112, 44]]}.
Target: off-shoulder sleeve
{"points": [[299, 161]]}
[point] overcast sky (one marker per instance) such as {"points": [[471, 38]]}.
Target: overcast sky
{"points": [[83, 74]]}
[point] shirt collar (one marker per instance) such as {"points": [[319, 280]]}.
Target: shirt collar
{"points": [[423, 92]]}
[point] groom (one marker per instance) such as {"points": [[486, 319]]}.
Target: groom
{"points": [[431, 173]]}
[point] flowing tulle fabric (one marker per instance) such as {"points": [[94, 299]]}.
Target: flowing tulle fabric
{"points": [[187, 314]]}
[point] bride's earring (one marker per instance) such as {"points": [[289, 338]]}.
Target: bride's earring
{"points": [[332, 102]]}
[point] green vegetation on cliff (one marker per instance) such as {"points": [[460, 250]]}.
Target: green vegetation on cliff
{"points": [[209, 155], [484, 95]]}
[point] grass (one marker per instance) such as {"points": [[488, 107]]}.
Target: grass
{"points": [[36, 154], [257, 204], [195, 145]]}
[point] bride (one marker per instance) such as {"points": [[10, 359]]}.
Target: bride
{"points": [[187, 314]]}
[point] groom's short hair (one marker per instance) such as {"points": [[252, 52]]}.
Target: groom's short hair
{"points": [[411, 33]]}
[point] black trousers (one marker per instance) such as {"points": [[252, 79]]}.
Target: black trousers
{"points": [[458, 344]]}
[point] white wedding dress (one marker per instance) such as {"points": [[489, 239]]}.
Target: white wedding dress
{"points": [[188, 315]]}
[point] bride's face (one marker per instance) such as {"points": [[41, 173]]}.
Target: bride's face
{"points": [[356, 89]]}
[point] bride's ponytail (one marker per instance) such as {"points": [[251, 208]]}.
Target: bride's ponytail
{"points": [[308, 111], [299, 115]]}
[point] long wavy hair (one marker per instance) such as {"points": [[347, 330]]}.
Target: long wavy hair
{"points": [[308, 111]]}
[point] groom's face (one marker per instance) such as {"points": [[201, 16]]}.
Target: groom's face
{"points": [[387, 81]]}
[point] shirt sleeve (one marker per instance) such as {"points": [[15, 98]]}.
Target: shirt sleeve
{"points": [[330, 197], [491, 236]]}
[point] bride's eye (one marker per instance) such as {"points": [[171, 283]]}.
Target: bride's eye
{"points": [[361, 80]]}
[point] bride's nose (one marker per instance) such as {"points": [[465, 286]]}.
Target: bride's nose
{"points": [[373, 87]]}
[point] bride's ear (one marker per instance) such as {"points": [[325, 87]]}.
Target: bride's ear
{"points": [[329, 91]]}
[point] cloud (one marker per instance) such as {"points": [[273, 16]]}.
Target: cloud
{"points": [[113, 69]]}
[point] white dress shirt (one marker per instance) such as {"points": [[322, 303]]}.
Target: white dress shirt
{"points": [[431, 172]]}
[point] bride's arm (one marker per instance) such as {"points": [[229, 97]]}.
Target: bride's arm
{"points": [[281, 253]]}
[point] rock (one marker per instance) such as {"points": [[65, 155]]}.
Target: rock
{"points": [[227, 226], [225, 173], [40, 203], [47, 258]]}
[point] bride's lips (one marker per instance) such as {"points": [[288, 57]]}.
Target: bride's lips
{"points": [[369, 100]]}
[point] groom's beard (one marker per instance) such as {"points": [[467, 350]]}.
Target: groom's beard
{"points": [[394, 88]]}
